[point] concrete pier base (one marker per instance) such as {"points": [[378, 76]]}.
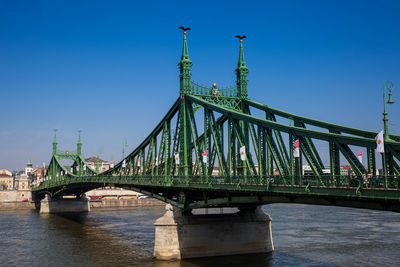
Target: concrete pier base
{"points": [[181, 236], [60, 205]]}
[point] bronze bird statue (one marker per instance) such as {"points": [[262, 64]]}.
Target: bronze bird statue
{"points": [[241, 37], [184, 29]]}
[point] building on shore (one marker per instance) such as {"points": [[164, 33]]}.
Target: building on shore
{"points": [[99, 164], [6, 180], [22, 179]]}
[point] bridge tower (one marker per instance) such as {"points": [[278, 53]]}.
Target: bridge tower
{"points": [[241, 72], [55, 143], [241, 83], [180, 234], [79, 145], [185, 152]]}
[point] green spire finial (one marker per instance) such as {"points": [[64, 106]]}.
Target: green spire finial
{"points": [[79, 146], [241, 71], [55, 142], [185, 64], [241, 62], [185, 50], [55, 136]]}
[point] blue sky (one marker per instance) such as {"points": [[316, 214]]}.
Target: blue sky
{"points": [[109, 68]]}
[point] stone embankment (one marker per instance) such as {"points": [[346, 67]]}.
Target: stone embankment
{"points": [[22, 200], [16, 200], [124, 203]]}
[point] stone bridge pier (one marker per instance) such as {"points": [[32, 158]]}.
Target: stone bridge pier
{"points": [[181, 236], [61, 205]]}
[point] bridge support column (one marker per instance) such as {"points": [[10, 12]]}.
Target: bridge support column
{"points": [[182, 236], [60, 205]]}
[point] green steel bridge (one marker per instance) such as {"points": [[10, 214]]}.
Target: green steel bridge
{"points": [[215, 147]]}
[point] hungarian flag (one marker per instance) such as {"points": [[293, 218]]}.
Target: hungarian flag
{"points": [[84, 167], [77, 167], [66, 171], [156, 161], [111, 164], [124, 164], [296, 152], [205, 156], [360, 156], [380, 146], [92, 164], [72, 170], [177, 158], [216, 92], [57, 174], [243, 153], [62, 173]]}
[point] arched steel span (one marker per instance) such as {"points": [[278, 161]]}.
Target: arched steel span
{"points": [[209, 150]]}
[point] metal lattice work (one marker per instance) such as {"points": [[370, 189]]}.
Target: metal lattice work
{"points": [[213, 148], [197, 89], [79, 167]]}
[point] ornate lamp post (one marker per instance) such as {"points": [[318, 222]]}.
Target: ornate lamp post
{"points": [[389, 86]]}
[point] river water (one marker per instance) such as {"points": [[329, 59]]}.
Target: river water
{"points": [[304, 235]]}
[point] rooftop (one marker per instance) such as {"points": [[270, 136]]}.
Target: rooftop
{"points": [[95, 160], [5, 173]]}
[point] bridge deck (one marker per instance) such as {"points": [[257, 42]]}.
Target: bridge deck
{"points": [[228, 191]]}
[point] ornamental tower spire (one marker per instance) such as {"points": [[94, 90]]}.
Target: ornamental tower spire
{"points": [[55, 143], [241, 71], [79, 145], [185, 65]]}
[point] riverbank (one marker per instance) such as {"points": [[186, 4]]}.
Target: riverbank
{"points": [[15, 195], [94, 204], [22, 199], [17, 205], [16, 200], [124, 203]]}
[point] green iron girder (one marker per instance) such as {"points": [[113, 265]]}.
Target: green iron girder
{"points": [[318, 123], [352, 140], [160, 127], [357, 166]]}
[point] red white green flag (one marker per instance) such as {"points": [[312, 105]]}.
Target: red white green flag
{"points": [[380, 146], [243, 153], [205, 156], [296, 152]]}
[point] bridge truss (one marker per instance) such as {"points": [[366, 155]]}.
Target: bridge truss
{"points": [[216, 147]]}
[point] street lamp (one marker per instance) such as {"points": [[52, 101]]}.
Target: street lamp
{"points": [[387, 85]]}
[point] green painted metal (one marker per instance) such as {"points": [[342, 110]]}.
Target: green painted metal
{"points": [[169, 164], [78, 168]]}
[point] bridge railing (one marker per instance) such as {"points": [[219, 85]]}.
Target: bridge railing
{"points": [[198, 89], [326, 181], [392, 182], [67, 152]]}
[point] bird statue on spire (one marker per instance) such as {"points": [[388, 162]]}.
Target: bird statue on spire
{"points": [[241, 37], [184, 29]]}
